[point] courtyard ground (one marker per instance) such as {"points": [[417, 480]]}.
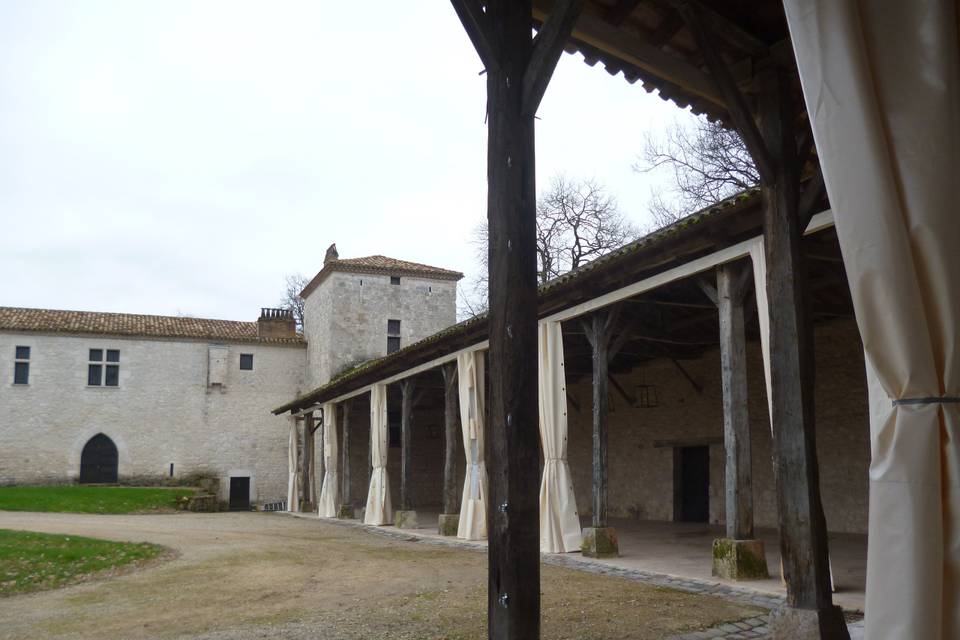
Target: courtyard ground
{"points": [[250, 575], [93, 499]]}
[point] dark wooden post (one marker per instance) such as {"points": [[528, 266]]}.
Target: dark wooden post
{"points": [[518, 70], [346, 500], [738, 556], [406, 517], [769, 133], [310, 463], [450, 517], [600, 540]]}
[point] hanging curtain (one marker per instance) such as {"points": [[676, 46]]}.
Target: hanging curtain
{"points": [[379, 508], [881, 82], [559, 520], [327, 504], [293, 490], [759, 259], [473, 512]]}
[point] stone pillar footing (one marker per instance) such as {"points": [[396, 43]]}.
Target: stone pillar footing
{"points": [[345, 512], [449, 524], [790, 623], [405, 519], [600, 542], [739, 559]]}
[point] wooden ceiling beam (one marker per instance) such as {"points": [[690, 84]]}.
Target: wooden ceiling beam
{"points": [[621, 11], [728, 30]]}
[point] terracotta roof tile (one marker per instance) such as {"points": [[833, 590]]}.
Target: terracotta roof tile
{"points": [[380, 265], [128, 324]]}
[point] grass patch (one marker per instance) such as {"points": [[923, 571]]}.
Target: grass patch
{"points": [[90, 499], [35, 561]]}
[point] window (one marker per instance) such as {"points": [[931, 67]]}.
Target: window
{"points": [[104, 371], [21, 366], [394, 279], [246, 361], [393, 336]]}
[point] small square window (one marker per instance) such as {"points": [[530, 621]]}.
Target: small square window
{"points": [[393, 344], [112, 377], [246, 361], [94, 373], [393, 327], [96, 355], [394, 279], [113, 355], [21, 373], [23, 353]]}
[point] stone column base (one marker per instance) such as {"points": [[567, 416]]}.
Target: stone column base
{"points": [[600, 542], [449, 524], [345, 512], [789, 623], [739, 559], [405, 519]]}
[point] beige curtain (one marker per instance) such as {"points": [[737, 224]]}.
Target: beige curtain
{"points": [[473, 512], [327, 504], [881, 81], [293, 488], [758, 258], [379, 507], [559, 520]]}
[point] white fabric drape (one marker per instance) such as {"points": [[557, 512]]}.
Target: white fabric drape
{"points": [[293, 490], [379, 506], [473, 512], [881, 82], [759, 259], [330, 490], [559, 520]]}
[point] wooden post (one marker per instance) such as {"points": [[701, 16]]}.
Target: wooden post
{"points": [[518, 70], [406, 408], [346, 500], [311, 465], [449, 518], [601, 540]]}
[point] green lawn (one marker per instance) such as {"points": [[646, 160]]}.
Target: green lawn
{"points": [[33, 561], [87, 499]]}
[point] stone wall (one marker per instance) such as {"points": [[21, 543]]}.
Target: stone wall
{"points": [[641, 440], [345, 318], [162, 412]]}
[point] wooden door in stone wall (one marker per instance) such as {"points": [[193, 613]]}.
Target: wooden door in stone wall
{"points": [[99, 460]]}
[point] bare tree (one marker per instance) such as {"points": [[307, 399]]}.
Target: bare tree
{"points": [[707, 163], [291, 297], [577, 221]]}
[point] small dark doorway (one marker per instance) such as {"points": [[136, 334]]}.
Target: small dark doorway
{"points": [[98, 462], [240, 493], [692, 484]]}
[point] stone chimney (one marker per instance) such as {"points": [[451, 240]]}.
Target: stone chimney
{"points": [[331, 253], [276, 323]]}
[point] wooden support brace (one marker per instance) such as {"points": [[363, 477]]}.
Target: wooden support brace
{"points": [[477, 25], [547, 49]]}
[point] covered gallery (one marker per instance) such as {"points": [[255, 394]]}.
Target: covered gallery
{"points": [[875, 86]]}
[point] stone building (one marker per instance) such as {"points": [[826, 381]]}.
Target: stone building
{"points": [[107, 397]]}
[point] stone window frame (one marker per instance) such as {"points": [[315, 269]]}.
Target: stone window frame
{"points": [[21, 363], [103, 368], [246, 358]]}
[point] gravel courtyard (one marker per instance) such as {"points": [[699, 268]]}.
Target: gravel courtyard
{"points": [[250, 575]]}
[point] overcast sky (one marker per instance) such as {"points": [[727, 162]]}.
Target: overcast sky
{"points": [[184, 156]]}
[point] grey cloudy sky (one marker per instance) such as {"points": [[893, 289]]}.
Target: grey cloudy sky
{"points": [[184, 156]]}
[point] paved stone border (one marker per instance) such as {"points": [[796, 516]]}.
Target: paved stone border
{"points": [[749, 628]]}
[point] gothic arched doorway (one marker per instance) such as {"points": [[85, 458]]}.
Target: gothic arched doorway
{"points": [[98, 462]]}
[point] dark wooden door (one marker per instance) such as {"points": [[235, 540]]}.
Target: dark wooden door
{"points": [[98, 462], [693, 498], [240, 494]]}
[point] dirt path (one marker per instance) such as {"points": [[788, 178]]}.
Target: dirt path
{"points": [[249, 575]]}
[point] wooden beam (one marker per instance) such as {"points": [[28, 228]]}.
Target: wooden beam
{"points": [[729, 30], [407, 387], [736, 103], [599, 331], [630, 400], [594, 30], [686, 374], [619, 12], [736, 418], [450, 437], [811, 197], [309, 473], [547, 49], [478, 28]]}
